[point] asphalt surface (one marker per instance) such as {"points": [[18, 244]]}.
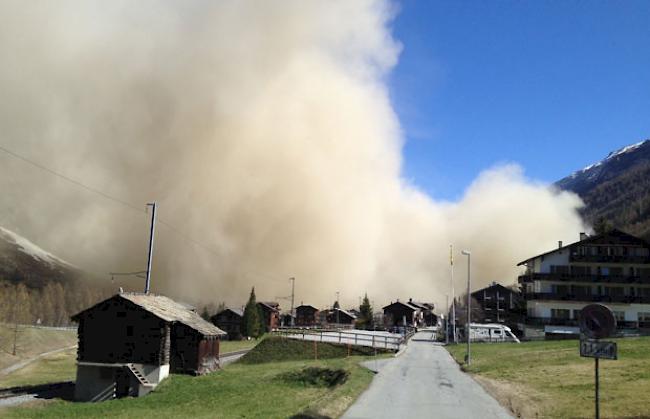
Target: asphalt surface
{"points": [[424, 382]]}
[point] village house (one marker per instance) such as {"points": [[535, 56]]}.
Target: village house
{"points": [[500, 304], [271, 314], [409, 314], [130, 342], [230, 321], [611, 268], [307, 316], [339, 316]]}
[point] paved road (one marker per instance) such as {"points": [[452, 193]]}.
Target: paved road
{"points": [[424, 382]]}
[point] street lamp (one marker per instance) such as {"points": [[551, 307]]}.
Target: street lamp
{"points": [[469, 305]]}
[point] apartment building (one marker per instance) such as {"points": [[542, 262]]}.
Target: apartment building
{"points": [[611, 268]]}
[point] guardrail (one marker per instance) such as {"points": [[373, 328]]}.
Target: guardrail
{"points": [[345, 337]]}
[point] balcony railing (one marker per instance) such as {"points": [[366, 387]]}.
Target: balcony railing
{"points": [[616, 279], [575, 257], [623, 299]]}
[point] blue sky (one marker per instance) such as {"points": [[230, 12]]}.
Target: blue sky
{"points": [[551, 85]]}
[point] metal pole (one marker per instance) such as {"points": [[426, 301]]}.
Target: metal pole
{"points": [[293, 284], [453, 296], [147, 284], [597, 395], [469, 306], [447, 322]]}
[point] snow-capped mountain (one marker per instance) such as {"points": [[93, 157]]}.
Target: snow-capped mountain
{"points": [[610, 167], [616, 188], [21, 260]]}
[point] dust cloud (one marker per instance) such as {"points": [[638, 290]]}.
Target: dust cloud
{"points": [[265, 132]]}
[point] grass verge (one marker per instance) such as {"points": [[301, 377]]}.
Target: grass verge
{"points": [[51, 369], [274, 349], [31, 341], [238, 391], [550, 379]]}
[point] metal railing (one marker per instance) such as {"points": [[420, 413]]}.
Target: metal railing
{"points": [[345, 337], [589, 278], [623, 299]]}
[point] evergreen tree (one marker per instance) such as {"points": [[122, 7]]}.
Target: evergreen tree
{"points": [[251, 322], [365, 310]]}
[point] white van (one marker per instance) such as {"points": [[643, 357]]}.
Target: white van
{"points": [[491, 332]]}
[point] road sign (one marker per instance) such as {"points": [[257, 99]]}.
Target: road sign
{"points": [[598, 349], [597, 321]]}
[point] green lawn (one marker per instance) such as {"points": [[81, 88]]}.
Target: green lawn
{"points": [[31, 342], [550, 379], [238, 391], [237, 345], [51, 369]]}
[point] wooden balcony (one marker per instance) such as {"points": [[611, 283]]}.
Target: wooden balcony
{"points": [[605, 279], [621, 299]]}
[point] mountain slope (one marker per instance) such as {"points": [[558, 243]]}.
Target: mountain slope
{"points": [[23, 261], [617, 189]]}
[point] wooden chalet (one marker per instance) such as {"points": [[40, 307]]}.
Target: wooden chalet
{"points": [[230, 321], [340, 316], [306, 315], [130, 342], [409, 314], [271, 314]]}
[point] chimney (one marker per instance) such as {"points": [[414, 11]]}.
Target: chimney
{"points": [[583, 236], [559, 244], [410, 300]]}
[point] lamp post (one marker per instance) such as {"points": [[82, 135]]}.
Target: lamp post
{"points": [[469, 305]]}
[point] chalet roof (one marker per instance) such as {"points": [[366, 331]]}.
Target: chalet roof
{"points": [[273, 306], [307, 306], [494, 285], [166, 309], [407, 305], [237, 311], [347, 313], [600, 238], [420, 305]]}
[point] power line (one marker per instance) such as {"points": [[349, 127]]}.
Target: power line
{"points": [[73, 181], [127, 204]]}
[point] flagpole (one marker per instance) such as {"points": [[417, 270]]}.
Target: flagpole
{"points": [[453, 297]]}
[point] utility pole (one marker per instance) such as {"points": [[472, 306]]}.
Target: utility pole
{"points": [[151, 236], [453, 296], [469, 305], [293, 285]]}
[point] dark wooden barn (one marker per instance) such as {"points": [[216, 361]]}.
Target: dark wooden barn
{"points": [[230, 321], [339, 316], [131, 341], [400, 314], [306, 315], [271, 314]]}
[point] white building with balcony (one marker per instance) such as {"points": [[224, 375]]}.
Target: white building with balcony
{"points": [[612, 268]]}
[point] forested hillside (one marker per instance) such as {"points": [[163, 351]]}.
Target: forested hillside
{"points": [[38, 287], [616, 190]]}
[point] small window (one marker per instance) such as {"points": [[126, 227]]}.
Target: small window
{"points": [[129, 330]]}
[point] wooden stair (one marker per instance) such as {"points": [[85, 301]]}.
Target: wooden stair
{"points": [[145, 386]]}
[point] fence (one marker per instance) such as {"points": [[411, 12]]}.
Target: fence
{"points": [[346, 337]]}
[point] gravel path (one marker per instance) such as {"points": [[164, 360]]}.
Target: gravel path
{"points": [[26, 362], [424, 382]]}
